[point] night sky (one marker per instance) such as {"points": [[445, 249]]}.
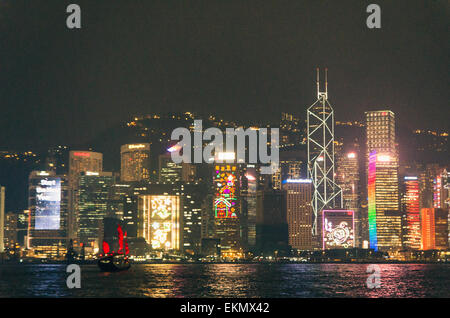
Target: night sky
{"points": [[233, 58]]}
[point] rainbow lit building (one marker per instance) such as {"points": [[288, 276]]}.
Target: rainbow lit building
{"points": [[385, 222]]}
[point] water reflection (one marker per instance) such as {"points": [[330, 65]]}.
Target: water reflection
{"points": [[228, 280]]}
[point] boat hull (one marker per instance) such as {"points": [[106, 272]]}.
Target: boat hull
{"points": [[113, 263]]}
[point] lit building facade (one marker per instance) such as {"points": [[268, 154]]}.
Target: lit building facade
{"points": [[338, 229], [411, 207], [385, 221], [79, 161], [348, 179], [160, 221], [2, 219], [92, 197], [380, 132], [226, 207], [434, 227], [299, 213], [135, 162], [47, 203]]}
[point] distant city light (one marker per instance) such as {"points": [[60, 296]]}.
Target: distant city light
{"points": [[297, 181], [351, 155], [81, 154], [410, 178]]}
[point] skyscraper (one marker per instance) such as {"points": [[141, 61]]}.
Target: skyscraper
{"points": [[384, 215], [2, 219], [321, 165], [226, 207], [411, 208], [79, 161], [299, 213], [92, 198], [380, 132], [135, 162], [160, 221], [348, 179], [47, 202], [434, 228]]}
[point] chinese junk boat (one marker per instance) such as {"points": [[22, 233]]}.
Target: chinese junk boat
{"points": [[115, 261]]}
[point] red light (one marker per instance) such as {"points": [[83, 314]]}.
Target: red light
{"points": [[81, 154], [384, 113]]}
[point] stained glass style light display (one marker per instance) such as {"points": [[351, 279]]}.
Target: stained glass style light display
{"points": [[225, 201]]}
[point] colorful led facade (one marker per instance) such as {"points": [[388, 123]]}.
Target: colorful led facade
{"points": [[225, 201], [385, 222], [372, 213], [159, 221], [226, 208], [338, 229], [412, 210]]}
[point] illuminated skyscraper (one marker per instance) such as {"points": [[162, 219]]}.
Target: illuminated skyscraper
{"points": [[384, 215], [434, 227], [337, 229], [2, 219], [160, 221], [82, 161], [47, 202], [226, 206], [299, 213], [170, 171], [321, 165], [92, 197], [428, 229], [79, 161], [380, 130], [135, 162], [411, 207], [348, 179]]}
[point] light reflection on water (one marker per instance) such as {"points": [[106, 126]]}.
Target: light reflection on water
{"points": [[228, 280]]}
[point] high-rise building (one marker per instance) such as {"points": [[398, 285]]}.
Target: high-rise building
{"points": [[299, 213], [2, 219], [11, 221], [428, 229], [47, 202], [411, 209], [82, 161], [383, 203], [380, 132], [321, 162], [92, 198], [288, 169], [170, 171], [135, 162], [249, 188], [226, 207], [348, 179], [272, 232], [160, 221], [79, 161], [337, 229], [435, 230]]}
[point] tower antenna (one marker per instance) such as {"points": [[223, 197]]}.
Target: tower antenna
{"points": [[326, 81], [318, 87]]}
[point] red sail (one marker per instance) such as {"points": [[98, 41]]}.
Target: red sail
{"points": [[119, 230], [105, 247], [127, 251]]}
